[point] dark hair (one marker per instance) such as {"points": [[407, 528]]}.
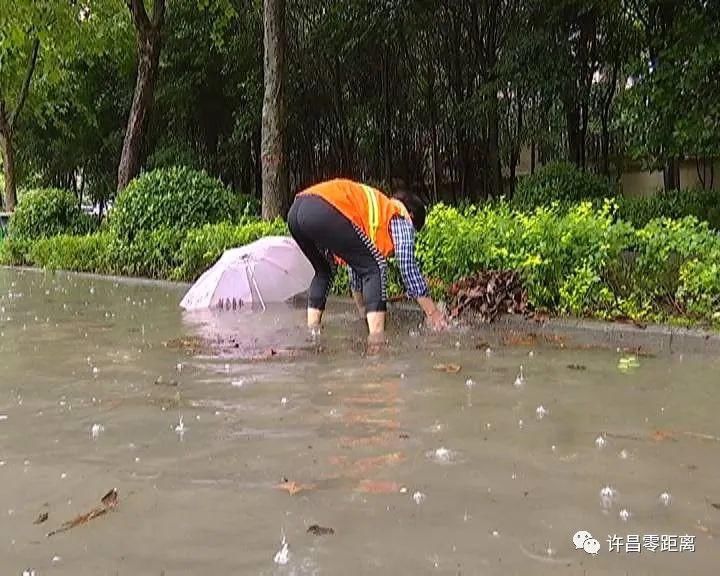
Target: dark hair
{"points": [[414, 205]]}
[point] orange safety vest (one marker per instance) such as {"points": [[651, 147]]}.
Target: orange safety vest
{"points": [[368, 208]]}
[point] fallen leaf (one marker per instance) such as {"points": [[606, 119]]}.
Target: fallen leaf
{"points": [[42, 517], [293, 488], [317, 530], [448, 368], [661, 435], [715, 505], [107, 503], [377, 487]]}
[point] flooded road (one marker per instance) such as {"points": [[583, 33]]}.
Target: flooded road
{"points": [[225, 436]]}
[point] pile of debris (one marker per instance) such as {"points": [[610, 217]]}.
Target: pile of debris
{"points": [[489, 294]]}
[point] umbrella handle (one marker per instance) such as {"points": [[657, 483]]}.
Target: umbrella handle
{"points": [[251, 276]]}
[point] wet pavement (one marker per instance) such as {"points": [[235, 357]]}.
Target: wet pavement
{"points": [[227, 435]]}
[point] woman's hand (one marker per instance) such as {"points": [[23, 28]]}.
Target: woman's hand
{"points": [[438, 321]]}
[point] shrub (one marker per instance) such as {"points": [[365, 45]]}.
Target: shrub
{"points": [[562, 183], [178, 198], [203, 246], [676, 204], [90, 253], [47, 212], [151, 254], [580, 261]]}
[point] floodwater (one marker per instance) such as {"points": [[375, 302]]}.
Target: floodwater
{"points": [[416, 470]]}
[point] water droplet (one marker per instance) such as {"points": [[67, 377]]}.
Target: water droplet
{"points": [[600, 442], [402, 376], [665, 499], [488, 352], [553, 448], [541, 412], [442, 455], [95, 370], [531, 354], [419, 497], [521, 424], [623, 454], [96, 430], [63, 476], [282, 556], [624, 515], [180, 428], [469, 383], [284, 401], [237, 383], [179, 367], [457, 344], [56, 559], [519, 379], [495, 533], [403, 490], [608, 496]]}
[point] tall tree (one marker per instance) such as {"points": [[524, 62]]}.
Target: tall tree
{"points": [[149, 42], [275, 193]]}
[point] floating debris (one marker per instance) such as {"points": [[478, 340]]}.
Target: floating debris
{"points": [[107, 503], [579, 367], [292, 487], [282, 556], [317, 530], [448, 368], [160, 381], [42, 517], [489, 294], [541, 412], [419, 497], [519, 379], [665, 499], [628, 363], [96, 430]]}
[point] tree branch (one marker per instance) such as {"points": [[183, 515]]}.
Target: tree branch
{"points": [[26, 84], [139, 15]]}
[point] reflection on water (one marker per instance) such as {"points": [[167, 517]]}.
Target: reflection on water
{"points": [[239, 444]]}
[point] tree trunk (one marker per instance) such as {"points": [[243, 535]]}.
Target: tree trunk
{"points": [[8, 157], [671, 175], [148, 48], [275, 192], [494, 180], [387, 138], [7, 129]]}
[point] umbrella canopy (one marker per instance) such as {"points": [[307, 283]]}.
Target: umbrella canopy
{"points": [[272, 269]]}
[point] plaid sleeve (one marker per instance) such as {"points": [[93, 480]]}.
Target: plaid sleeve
{"points": [[403, 235], [355, 280]]}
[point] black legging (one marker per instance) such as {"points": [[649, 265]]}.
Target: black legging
{"points": [[320, 231]]}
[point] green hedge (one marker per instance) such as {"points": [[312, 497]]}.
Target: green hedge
{"points": [[582, 261], [702, 204], [563, 183], [178, 198], [47, 212]]}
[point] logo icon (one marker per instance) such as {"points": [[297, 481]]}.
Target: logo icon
{"points": [[583, 540]]}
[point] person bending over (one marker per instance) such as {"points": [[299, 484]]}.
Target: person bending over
{"points": [[345, 222]]}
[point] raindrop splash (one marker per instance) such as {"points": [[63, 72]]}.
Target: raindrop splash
{"points": [[520, 379], [96, 430], [608, 496], [541, 412], [665, 499], [600, 442]]}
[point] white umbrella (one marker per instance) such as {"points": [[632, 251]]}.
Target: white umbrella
{"points": [[272, 269]]}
